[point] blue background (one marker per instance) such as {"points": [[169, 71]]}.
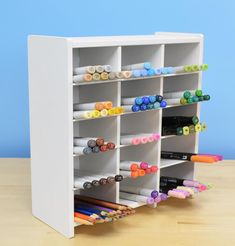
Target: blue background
{"points": [[215, 19]]}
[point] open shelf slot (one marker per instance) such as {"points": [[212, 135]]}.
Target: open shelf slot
{"points": [[181, 83], [96, 56], [142, 53], [189, 110], [181, 54]]}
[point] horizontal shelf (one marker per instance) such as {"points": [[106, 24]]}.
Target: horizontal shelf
{"points": [[168, 162], [132, 79], [132, 204]]}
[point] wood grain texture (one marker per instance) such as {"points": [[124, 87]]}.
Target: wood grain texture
{"points": [[208, 219]]}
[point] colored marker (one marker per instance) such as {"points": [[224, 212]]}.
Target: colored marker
{"points": [[85, 142], [143, 73], [127, 74], [82, 78], [145, 65], [172, 193], [82, 150], [131, 108], [136, 198], [99, 68], [84, 70], [136, 73], [180, 120], [112, 75], [172, 131], [96, 76], [104, 76], [107, 68], [129, 174], [81, 184], [130, 140], [179, 182], [139, 191], [128, 166]]}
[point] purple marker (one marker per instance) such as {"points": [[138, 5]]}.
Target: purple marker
{"points": [[143, 107], [163, 196], [157, 199], [154, 194]]}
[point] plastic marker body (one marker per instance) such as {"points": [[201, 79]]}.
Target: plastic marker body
{"points": [[145, 65], [81, 184], [82, 78], [84, 70], [137, 198], [140, 191], [82, 150]]}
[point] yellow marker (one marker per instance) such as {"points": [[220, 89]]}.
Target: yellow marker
{"points": [[104, 76], [104, 112], [111, 111], [198, 128], [96, 114], [195, 68], [187, 68], [96, 76], [203, 126], [118, 110], [183, 101], [185, 130]]}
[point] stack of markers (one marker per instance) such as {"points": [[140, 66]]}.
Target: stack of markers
{"points": [[185, 97], [90, 211], [85, 180], [143, 195], [181, 125], [206, 158], [95, 110], [143, 103], [141, 138], [180, 188], [134, 169], [90, 145], [145, 69]]}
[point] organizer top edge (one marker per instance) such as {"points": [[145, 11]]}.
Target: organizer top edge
{"points": [[99, 41]]}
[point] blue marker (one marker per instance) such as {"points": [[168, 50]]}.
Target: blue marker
{"points": [[151, 72], [158, 71], [138, 100], [150, 106], [195, 99], [136, 73], [135, 108], [143, 107], [145, 100], [164, 70], [163, 104], [170, 70], [152, 99], [156, 105], [143, 72], [147, 65]]}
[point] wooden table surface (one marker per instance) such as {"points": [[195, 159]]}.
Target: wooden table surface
{"points": [[206, 220]]}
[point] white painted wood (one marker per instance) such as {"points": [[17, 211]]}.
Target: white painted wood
{"points": [[51, 63], [50, 91]]}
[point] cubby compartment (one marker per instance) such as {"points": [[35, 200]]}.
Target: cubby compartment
{"points": [[97, 56], [143, 122], [100, 127], [181, 83], [184, 170], [180, 143], [100, 163], [181, 54], [96, 93], [142, 53], [143, 87], [185, 110], [106, 192]]}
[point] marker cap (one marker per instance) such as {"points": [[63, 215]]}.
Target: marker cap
{"points": [[110, 145], [95, 182], [187, 68], [156, 105], [138, 100], [147, 171], [183, 101], [87, 185], [206, 97], [163, 197], [91, 143], [95, 114], [151, 72], [118, 177], [134, 174], [150, 106], [190, 100], [103, 148], [134, 167], [154, 194], [143, 107], [104, 112], [170, 70], [198, 128], [163, 104], [136, 141], [157, 71], [187, 94], [158, 199], [136, 73], [176, 194], [150, 200], [100, 141], [195, 99], [147, 65], [145, 100], [99, 106], [143, 73], [135, 108], [191, 129], [156, 136], [96, 149], [141, 172], [144, 165], [159, 98], [204, 67], [198, 93], [185, 130], [179, 131], [87, 150], [154, 169], [152, 99], [164, 70], [144, 140]]}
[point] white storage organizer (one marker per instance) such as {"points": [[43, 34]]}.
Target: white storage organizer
{"points": [[52, 127]]}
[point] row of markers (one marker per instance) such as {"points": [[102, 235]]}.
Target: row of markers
{"points": [[105, 72], [135, 169], [89, 145], [135, 104]]}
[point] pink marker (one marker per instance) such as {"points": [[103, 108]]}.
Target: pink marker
{"points": [[136, 141], [156, 136], [186, 193], [154, 169], [157, 199], [144, 140], [144, 165]]}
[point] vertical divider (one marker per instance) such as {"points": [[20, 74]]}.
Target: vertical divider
{"points": [[119, 61], [160, 118]]}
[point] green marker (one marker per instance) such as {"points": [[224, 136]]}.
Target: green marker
{"points": [[187, 94], [183, 101], [179, 131], [187, 68], [191, 129], [203, 126], [190, 100], [150, 106], [198, 93], [195, 99], [201, 99], [195, 68], [206, 97], [204, 67], [195, 120]]}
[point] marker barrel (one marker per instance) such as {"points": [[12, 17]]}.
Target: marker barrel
{"points": [[107, 68], [84, 142], [144, 65], [139, 191], [129, 174], [86, 114], [82, 150], [93, 181], [127, 74], [129, 140], [132, 100], [82, 78], [81, 184], [84, 70], [112, 75], [136, 198], [128, 166]]}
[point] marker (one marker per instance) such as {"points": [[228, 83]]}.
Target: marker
{"points": [[178, 94], [112, 75], [180, 182], [104, 76], [95, 149], [82, 114], [82, 150], [110, 145], [143, 73], [129, 174], [129, 140], [131, 108], [187, 156], [171, 193], [81, 184], [145, 65], [128, 166], [103, 148], [163, 104], [143, 107], [204, 67], [136, 198], [184, 192], [88, 106], [136, 73], [84, 70], [157, 71], [119, 75], [127, 74], [180, 120], [139, 191], [164, 70], [107, 68], [85, 142], [172, 131], [99, 68], [96, 76], [151, 72], [93, 181], [82, 78]]}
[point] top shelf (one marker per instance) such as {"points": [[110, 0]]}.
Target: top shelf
{"points": [[132, 79]]}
